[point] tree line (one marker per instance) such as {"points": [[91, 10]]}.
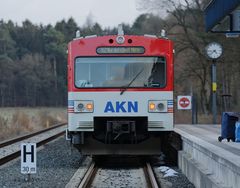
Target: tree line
{"points": [[185, 25], [33, 62], [33, 59]]}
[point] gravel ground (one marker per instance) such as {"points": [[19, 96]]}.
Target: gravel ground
{"points": [[169, 176], [53, 169], [56, 170], [16, 147], [119, 178], [179, 180]]}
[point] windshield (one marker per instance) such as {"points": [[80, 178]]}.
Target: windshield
{"points": [[105, 72]]}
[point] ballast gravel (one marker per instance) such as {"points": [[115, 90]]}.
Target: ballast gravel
{"points": [[172, 177], [7, 150], [119, 178], [169, 175], [56, 164]]}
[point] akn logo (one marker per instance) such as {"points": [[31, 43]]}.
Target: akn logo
{"points": [[121, 107]]}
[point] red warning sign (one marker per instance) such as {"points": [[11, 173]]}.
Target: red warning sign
{"points": [[184, 102]]}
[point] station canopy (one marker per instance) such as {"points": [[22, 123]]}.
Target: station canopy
{"points": [[223, 16]]}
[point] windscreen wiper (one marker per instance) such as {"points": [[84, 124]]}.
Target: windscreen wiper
{"points": [[124, 88]]}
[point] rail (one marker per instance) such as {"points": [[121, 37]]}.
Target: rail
{"points": [[17, 153], [90, 174], [150, 175], [18, 139]]}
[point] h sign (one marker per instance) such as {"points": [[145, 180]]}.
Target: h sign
{"points": [[28, 158]]}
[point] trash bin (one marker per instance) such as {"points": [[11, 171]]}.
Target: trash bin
{"points": [[237, 131], [228, 126]]}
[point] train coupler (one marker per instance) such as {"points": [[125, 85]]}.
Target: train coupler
{"points": [[115, 129]]}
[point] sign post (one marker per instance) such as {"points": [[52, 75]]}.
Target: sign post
{"points": [[28, 159], [214, 51], [214, 92]]}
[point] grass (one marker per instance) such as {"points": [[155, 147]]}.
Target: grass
{"points": [[19, 121]]}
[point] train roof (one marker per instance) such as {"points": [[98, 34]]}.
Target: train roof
{"points": [[88, 46], [115, 37]]}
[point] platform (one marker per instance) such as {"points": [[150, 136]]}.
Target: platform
{"points": [[206, 161]]}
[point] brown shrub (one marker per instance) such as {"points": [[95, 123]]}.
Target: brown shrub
{"points": [[20, 123], [46, 119], [4, 128]]}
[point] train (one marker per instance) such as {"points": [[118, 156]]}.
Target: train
{"points": [[120, 93]]}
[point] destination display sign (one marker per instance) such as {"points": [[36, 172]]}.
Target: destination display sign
{"points": [[121, 50]]}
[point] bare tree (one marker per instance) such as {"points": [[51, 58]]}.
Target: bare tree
{"points": [[185, 25]]}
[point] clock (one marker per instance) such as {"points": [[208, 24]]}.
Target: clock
{"points": [[214, 50]]}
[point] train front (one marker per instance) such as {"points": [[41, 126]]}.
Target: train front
{"points": [[120, 94]]}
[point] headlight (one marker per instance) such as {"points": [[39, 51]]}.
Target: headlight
{"points": [[83, 106], [160, 106], [80, 106], [157, 106], [152, 106], [89, 107], [120, 39]]}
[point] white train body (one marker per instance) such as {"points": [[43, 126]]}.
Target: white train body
{"points": [[112, 104]]}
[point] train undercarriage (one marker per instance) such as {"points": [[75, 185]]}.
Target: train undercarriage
{"points": [[120, 136]]}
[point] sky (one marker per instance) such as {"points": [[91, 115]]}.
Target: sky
{"points": [[108, 13]]}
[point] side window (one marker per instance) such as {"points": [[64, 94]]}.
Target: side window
{"points": [[158, 73], [82, 74]]}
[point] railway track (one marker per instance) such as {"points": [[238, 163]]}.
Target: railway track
{"points": [[151, 176], [96, 176], [10, 149]]}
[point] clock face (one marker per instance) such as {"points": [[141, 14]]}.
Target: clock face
{"points": [[214, 50]]}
